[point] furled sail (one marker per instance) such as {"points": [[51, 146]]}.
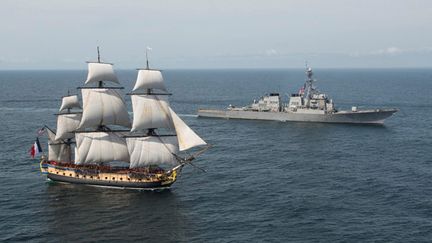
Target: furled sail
{"points": [[101, 72], [99, 147], [149, 79], [66, 124], [69, 102], [146, 151], [103, 106], [150, 111], [187, 138]]}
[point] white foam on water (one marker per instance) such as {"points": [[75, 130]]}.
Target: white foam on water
{"points": [[188, 115]]}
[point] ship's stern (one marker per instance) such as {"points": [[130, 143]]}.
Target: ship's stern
{"points": [[43, 165]]}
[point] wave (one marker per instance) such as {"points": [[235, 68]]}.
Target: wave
{"points": [[28, 109], [28, 100]]}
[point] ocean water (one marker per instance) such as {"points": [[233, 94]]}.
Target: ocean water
{"points": [[265, 181]]}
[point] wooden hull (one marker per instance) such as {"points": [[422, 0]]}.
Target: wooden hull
{"points": [[125, 179]]}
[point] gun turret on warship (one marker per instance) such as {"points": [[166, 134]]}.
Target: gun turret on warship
{"points": [[308, 105]]}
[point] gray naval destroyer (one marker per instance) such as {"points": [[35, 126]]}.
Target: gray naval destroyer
{"points": [[308, 105]]}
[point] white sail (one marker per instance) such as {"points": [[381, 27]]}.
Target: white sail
{"points": [[150, 111], [66, 124], [51, 135], [101, 72], [99, 147], [59, 152], [144, 151], [103, 107], [149, 79], [76, 156], [57, 149], [69, 102], [187, 138]]}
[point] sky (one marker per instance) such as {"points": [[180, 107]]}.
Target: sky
{"points": [[207, 34]]}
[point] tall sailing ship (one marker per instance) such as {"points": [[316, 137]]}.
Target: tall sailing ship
{"points": [[97, 144]]}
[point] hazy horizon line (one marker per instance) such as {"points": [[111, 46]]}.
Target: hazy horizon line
{"points": [[220, 68]]}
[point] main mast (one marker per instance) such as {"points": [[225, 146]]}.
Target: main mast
{"points": [[100, 82], [308, 90], [102, 106]]}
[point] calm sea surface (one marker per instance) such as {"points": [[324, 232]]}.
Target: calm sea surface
{"points": [[265, 181]]}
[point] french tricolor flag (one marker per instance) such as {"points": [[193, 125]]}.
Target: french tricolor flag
{"points": [[35, 149]]}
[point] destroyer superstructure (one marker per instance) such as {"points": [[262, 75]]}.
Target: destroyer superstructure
{"points": [[308, 105]]}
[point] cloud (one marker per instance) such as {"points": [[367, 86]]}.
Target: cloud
{"points": [[271, 52], [392, 51]]}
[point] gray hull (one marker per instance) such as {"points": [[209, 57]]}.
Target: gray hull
{"points": [[376, 116]]}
